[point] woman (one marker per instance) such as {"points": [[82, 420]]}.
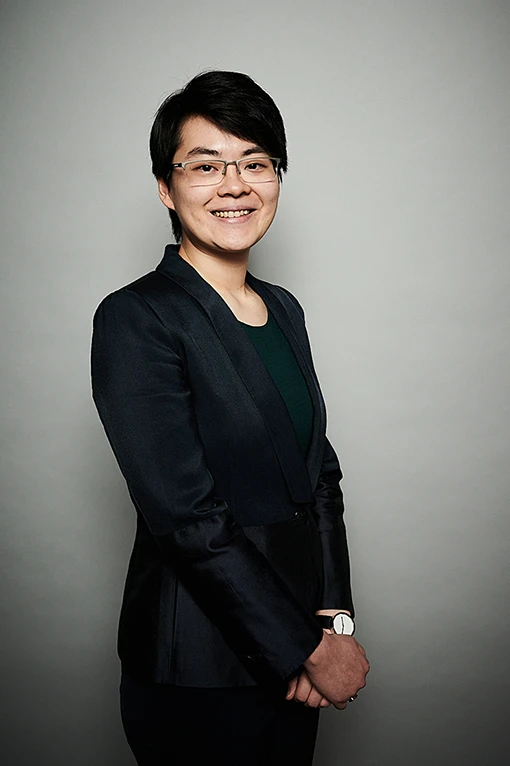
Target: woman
{"points": [[203, 378]]}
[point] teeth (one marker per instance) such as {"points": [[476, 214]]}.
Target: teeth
{"points": [[230, 213]]}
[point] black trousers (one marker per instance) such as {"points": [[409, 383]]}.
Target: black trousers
{"points": [[168, 725]]}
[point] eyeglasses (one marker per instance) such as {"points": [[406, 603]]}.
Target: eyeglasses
{"points": [[252, 170]]}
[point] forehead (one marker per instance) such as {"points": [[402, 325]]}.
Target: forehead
{"points": [[197, 132]]}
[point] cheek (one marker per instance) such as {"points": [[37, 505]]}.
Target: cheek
{"points": [[272, 202], [188, 203], [269, 197], [191, 210]]}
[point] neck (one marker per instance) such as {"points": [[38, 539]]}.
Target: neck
{"points": [[225, 272]]}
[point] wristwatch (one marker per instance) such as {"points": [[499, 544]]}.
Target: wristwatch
{"points": [[341, 623]]}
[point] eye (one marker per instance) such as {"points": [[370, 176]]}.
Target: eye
{"points": [[257, 165], [204, 168]]}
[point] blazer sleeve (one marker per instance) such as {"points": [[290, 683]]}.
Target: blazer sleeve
{"points": [[145, 405], [328, 511]]}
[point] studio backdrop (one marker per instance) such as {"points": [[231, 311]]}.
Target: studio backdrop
{"points": [[393, 232]]}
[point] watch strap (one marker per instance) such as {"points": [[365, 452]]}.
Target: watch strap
{"points": [[325, 620]]}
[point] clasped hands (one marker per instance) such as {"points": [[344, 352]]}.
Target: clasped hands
{"points": [[333, 673]]}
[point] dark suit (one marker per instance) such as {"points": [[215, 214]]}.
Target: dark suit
{"points": [[239, 538]]}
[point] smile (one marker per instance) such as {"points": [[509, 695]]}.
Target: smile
{"points": [[231, 213]]}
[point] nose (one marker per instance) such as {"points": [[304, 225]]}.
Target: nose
{"points": [[232, 183]]}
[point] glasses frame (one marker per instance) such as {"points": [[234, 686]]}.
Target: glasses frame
{"points": [[226, 163]]}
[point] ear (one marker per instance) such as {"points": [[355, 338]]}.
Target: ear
{"points": [[164, 195]]}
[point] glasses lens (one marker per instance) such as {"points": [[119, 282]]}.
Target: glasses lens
{"points": [[202, 173], [258, 169], [252, 170]]}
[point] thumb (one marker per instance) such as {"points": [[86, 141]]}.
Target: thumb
{"points": [[292, 688]]}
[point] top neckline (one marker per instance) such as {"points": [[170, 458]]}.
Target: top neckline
{"points": [[257, 326]]}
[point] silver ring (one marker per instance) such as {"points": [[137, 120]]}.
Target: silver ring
{"points": [[351, 699]]}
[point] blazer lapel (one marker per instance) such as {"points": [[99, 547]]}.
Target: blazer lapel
{"points": [[301, 476], [288, 318]]}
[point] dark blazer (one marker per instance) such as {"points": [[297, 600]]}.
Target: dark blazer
{"points": [[240, 539]]}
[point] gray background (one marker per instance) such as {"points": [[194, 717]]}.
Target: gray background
{"points": [[393, 231]]}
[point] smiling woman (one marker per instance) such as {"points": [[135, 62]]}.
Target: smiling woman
{"points": [[203, 378]]}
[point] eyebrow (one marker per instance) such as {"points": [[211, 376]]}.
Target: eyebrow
{"points": [[201, 150]]}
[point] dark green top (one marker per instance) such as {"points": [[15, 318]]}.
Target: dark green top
{"points": [[276, 353]]}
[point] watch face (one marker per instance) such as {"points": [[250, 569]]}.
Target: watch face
{"points": [[343, 624]]}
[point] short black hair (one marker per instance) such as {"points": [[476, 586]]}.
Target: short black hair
{"points": [[230, 100]]}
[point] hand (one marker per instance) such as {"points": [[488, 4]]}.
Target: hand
{"points": [[337, 668], [302, 690]]}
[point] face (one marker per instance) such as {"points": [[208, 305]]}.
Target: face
{"points": [[197, 206]]}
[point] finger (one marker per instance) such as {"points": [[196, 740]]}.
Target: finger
{"points": [[325, 702], [363, 652], [314, 698], [341, 705], [292, 688], [303, 688]]}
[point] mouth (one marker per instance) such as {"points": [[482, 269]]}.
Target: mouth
{"points": [[230, 214]]}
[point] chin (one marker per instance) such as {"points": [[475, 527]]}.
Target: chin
{"points": [[236, 245]]}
